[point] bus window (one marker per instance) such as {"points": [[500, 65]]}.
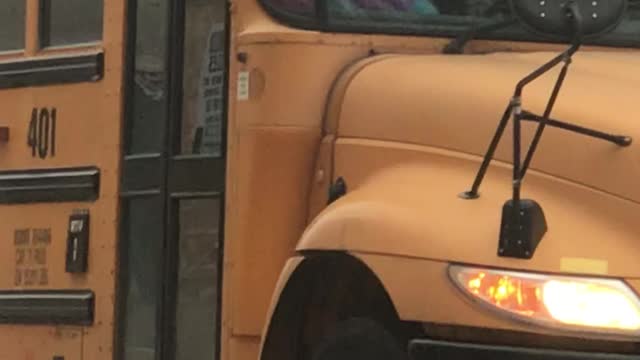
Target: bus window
{"points": [[142, 261], [145, 137], [197, 285], [149, 95], [69, 22], [12, 17], [203, 79], [359, 8]]}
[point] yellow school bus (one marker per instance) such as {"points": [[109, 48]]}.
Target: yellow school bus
{"points": [[319, 179]]}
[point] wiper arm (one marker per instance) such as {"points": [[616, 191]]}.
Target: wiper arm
{"points": [[456, 46]]}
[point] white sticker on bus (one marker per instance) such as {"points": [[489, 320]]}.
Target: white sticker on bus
{"points": [[211, 95], [243, 85]]}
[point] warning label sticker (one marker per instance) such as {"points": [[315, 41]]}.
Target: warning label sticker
{"points": [[31, 247]]}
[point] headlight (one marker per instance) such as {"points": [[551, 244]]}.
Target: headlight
{"points": [[573, 303]]}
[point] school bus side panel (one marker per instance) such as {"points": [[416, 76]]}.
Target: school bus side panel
{"points": [[34, 246]]}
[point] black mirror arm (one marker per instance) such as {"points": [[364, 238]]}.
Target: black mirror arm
{"points": [[517, 212], [486, 161], [574, 13], [515, 109], [620, 140]]}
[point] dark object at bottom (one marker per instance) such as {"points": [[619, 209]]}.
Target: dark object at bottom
{"points": [[442, 350], [519, 237], [359, 339]]}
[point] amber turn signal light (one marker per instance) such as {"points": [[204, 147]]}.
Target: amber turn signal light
{"points": [[572, 303]]}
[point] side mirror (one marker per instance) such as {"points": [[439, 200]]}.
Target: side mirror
{"points": [[549, 17]]}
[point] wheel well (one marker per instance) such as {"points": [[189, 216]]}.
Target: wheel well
{"points": [[328, 287]]}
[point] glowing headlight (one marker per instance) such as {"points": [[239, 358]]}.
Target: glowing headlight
{"points": [[599, 305]]}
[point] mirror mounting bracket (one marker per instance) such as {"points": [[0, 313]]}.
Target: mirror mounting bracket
{"points": [[523, 222]]}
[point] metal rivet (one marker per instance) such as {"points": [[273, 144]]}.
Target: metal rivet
{"points": [[320, 176], [542, 14], [595, 16], [543, 3], [501, 251], [527, 253], [595, 3]]}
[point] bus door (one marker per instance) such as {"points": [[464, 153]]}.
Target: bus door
{"points": [[172, 189], [60, 116]]}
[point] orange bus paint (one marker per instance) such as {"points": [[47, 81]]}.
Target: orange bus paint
{"points": [[303, 108]]}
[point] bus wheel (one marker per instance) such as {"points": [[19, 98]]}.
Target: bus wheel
{"points": [[359, 338]]}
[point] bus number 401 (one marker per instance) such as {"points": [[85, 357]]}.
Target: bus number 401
{"points": [[42, 132]]}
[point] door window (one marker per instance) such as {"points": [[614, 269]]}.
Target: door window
{"points": [[203, 77], [173, 181], [197, 285], [141, 259], [149, 91]]}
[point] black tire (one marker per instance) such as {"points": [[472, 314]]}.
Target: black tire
{"points": [[359, 339]]}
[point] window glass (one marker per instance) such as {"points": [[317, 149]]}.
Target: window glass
{"points": [[386, 9], [66, 22], [197, 296], [149, 102], [144, 242], [12, 17], [431, 17], [203, 77]]}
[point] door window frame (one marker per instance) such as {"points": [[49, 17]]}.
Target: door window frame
{"points": [[182, 177]]}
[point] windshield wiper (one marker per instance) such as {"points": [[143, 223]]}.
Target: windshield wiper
{"points": [[456, 46]]}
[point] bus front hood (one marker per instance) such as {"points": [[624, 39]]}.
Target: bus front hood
{"points": [[411, 131], [455, 102], [412, 209]]}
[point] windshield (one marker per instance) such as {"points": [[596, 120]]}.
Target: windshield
{"points": [[431, 17]]}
